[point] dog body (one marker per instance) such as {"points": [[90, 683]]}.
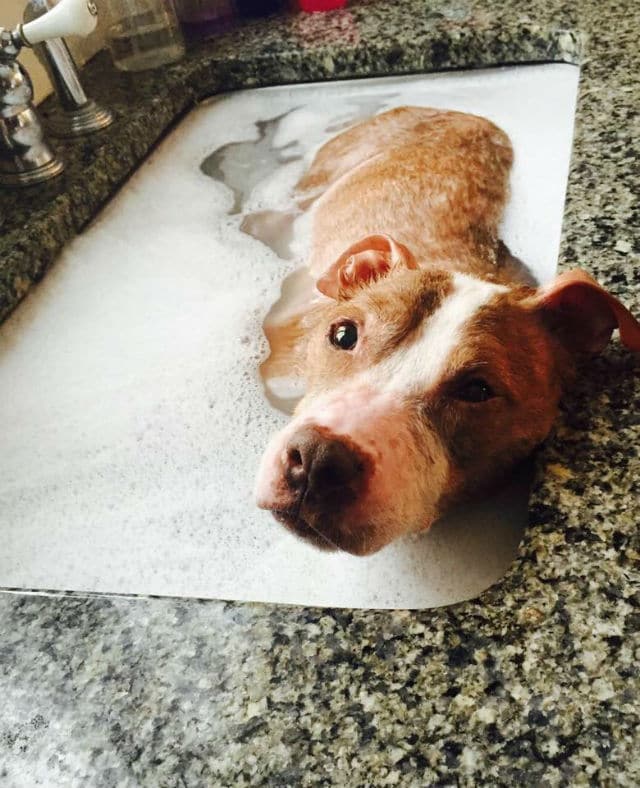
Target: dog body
{"points": [[407, 173], [432, 365]]}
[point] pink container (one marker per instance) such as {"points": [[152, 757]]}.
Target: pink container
{"points": [[311, 6]]}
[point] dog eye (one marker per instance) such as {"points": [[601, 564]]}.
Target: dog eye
{"points": [[474, 390], [344, 335]]}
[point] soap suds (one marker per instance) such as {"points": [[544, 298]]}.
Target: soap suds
{"points": [[134, 416]]}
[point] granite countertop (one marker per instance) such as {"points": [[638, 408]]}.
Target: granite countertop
{"points": [[536, 682]]}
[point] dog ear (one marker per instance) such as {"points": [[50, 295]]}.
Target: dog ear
{"points": [[584, 314], [365, 261]]}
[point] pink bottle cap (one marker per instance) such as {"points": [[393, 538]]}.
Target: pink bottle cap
{"points": [[311, 6]]}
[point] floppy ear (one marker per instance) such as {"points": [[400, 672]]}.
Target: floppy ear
{"points": [[585, 314], [365, 261]]}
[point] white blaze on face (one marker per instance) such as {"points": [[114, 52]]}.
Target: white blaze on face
{"points": [[420, 364], [371, 411]]}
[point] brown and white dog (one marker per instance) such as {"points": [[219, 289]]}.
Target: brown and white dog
{"points": [[432, 365]]}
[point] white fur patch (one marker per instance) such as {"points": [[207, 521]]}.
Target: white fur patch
{"points": [[421, 364], [369, 411]]}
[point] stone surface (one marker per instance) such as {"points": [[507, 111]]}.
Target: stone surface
{"points": [[367, 39], [536, 682]]}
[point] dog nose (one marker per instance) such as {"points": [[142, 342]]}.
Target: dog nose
{"points": [[320, 466]]}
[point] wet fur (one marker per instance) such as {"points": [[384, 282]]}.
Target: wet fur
{"points": [[406, 208]]}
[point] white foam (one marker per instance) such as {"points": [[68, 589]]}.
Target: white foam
{"points": [[132, 415]]}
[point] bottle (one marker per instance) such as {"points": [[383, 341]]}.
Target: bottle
{"points": [[143, 34], [258, 7], [200, 18]]}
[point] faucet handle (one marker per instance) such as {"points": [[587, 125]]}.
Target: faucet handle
{"points": [[67, 18]]}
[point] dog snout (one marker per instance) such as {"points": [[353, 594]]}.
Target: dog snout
{"points": [[322, 469]]}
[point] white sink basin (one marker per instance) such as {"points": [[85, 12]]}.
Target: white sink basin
{"points": [[133, 415]]}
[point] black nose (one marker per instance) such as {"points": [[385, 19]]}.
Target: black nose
{"points": [[322, 468]]}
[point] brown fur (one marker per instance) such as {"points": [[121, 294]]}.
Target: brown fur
{"points": [[508, 346], [409, 199], [463, 160], [392, 311], [454, 166]]}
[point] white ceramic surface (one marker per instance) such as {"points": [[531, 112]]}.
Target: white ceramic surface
{"points": [[132, 416]]}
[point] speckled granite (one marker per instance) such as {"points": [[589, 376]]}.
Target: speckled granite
{"points": [[367, 39], [535, 683]]}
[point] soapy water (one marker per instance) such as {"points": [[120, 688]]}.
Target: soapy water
{"points": [[134, 417], [243, 165], [249, 168], [261, 174]]}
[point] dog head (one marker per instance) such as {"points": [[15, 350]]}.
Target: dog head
{"points": [[422, 386]]}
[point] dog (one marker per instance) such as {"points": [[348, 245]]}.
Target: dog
{"points": [[432, 363]]}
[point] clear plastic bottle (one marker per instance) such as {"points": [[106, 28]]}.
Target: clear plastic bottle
{"points": [[143, 34]]}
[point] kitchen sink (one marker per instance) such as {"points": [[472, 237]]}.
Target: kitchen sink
{"points": [[134, 413]]}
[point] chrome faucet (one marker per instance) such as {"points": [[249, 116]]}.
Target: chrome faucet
{"points": [[76, 114], [25, 155]]}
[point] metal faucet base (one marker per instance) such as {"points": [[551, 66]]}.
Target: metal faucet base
{"points": [[86, 119], [29, 177]]}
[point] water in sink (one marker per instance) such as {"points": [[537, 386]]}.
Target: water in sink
{"points": [[133, 413]]}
